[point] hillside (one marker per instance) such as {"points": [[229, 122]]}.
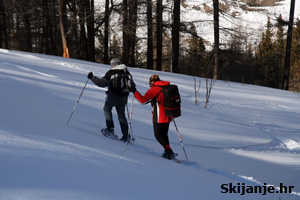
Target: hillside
{"points": [[248, 18], [248, 137]]}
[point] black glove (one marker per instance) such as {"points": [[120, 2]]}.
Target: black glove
{"points": [[90, 75], [133, 87]]}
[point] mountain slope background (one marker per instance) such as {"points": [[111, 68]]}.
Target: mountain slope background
{"points": [[248, 135], [245, 20]]}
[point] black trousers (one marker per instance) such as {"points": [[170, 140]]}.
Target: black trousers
{"points": [[161, 133]]}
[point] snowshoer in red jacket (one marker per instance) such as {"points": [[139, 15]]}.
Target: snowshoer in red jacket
{"points": [[160, 121]]}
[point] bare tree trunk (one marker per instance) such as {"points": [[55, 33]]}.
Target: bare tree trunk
{"points": [[217, 38], [159, 30], [196, 90], [132, 31], [53, 29], [3, 28], [209, 85], [125, 53], [84, 50], [28, 33], [175, 36], [91, 29], [46, 27], [72, 33], [288, 48], [61, 4], [26, 16], [106, 23], [150, 38]]}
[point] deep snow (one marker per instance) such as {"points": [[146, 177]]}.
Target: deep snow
{"points": [[248, 135]]}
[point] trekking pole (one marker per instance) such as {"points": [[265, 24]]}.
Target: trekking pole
{"points": [[129, 127], [180, 140], [78, 100], [130, 117]]}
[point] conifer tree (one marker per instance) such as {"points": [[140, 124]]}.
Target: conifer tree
{"points": [[295, 59], [279, 51], [195, 62], [115, 48], [265, 56]]}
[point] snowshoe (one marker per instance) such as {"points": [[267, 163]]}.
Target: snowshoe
{"points": [[110, 133]]}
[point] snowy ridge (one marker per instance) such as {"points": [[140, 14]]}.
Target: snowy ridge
{"points": [[249, 135]]}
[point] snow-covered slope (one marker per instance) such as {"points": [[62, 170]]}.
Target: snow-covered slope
{"points": [[248, 137]]}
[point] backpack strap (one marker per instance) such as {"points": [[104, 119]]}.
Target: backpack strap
{"points": [[156, 97]]}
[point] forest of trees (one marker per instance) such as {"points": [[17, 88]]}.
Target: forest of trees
{"points": [[87, 30]]}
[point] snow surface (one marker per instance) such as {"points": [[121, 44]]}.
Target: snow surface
{"points": [[248, 134]]}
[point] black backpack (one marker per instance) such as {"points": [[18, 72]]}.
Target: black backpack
{"points": [[121, 82], [172, 100]]}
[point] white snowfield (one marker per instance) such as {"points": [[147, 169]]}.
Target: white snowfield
{"points": [[245, 145]]}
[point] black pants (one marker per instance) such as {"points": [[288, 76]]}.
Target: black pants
{"points": [[120, 108], [161, 133]]}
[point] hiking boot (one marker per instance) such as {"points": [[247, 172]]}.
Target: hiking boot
{"points": [[169, 154], [125, 138]]}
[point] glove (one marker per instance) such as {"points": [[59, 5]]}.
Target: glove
{"points": [[133, 90], [90, 75], [133, 87]]}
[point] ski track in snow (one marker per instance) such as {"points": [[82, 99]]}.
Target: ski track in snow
{"points": [[220, 172], [55, 149], [235, 177], [274, 144]]}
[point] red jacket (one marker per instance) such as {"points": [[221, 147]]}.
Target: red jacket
{"points": [[158, 112]]}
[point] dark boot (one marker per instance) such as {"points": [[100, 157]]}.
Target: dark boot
{"points": [[169, 154], [125, 138]]}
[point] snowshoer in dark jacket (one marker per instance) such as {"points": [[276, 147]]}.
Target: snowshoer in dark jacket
{"points": [[113, 98], [160, 121]]}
